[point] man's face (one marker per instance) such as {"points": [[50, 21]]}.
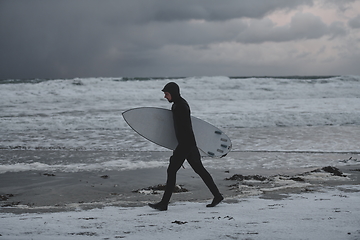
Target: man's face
{"points": [[167, 96]]}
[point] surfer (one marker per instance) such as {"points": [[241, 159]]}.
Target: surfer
{"points": [[186, 149]]}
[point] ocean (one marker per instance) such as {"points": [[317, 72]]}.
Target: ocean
{"points": [[75, 125]]}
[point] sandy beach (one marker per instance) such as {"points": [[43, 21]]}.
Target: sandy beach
{"points": [[301, 203]]}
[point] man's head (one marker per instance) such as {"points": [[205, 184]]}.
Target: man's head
{"points": [[171, 91]]}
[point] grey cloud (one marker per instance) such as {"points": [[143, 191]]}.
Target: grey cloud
{"points": [[202, 33], [341, 5], [85, 38], [214, 10], [355, 22], [302, 26], [337, 29]]}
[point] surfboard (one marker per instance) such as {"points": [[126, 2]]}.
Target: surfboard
{"points": [[156, 125]]}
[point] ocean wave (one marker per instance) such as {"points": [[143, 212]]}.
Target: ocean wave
{"points": [[79, 167], [137, 79], [85, 113]]}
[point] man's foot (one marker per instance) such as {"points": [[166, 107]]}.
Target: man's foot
{"points": [[158, 206], [215, 201]]}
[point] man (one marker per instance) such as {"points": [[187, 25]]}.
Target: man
{"points": [[186, 149]]}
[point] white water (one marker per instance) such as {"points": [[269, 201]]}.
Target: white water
{"points": [[258, 114]]}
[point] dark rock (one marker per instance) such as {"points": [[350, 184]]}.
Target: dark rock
{"points": [[11, 204], [297, 179], [49, 174], [236, 177], [239, 177], [179, 222], [5, 197], [333, 170]]}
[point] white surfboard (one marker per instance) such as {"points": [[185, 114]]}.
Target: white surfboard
{"points": [[156, 125]]}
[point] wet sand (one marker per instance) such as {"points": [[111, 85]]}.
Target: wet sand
{"points": [[37, 191]]}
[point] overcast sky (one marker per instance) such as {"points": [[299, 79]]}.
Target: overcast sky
{"points": [[169, 38]]}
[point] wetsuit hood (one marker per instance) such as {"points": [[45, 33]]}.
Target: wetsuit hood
{"points": [[173, 89]]}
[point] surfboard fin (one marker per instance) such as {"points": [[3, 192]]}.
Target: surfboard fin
{"points": [[211, 153]]}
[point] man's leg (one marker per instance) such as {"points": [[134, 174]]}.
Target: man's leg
{"points": [[176, 162], [194, 160], [174, 166]]}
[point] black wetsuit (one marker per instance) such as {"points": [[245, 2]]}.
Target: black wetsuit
{"points": [[186, 148]]}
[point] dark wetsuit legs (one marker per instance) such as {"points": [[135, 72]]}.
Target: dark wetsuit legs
{"points": [[194, 159]]}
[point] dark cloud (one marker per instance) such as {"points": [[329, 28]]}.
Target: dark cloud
{"points": [[302, 26], [355, 22], [86, 38], [214, 10]]}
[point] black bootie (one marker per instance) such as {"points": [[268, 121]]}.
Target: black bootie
{"points": [[158, 206], [215, 201]]}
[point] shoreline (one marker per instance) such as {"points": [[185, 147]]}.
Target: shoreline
{"points": [[328, 210], [304, 203], [37, 191]]}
